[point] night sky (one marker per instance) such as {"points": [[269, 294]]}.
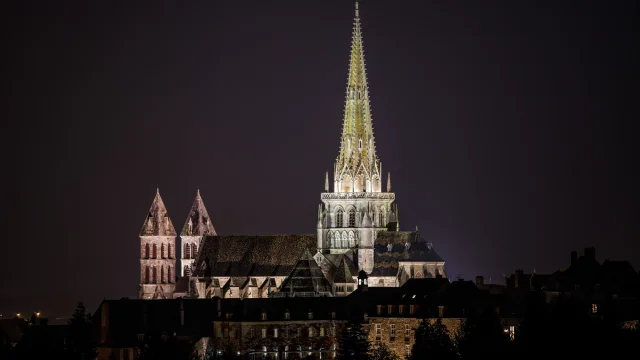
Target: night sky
{"points": [[507, 127]]}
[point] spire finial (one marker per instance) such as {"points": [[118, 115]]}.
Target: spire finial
{"points": [[326, 181], [198, 192], [357, 11], [389, 182], [157, 189]]}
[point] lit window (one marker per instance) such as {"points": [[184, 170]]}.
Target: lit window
{"points": [[310, 315], [287, 315], [264, 333], [275, 333], [594, 308], [339, 215], [264, 315], [311, 332], [321, 331], [378, 332]]}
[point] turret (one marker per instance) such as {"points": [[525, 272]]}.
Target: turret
{"points": [[157, 252], [197, 225]]}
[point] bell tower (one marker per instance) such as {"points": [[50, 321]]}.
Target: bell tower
{"points": [[351, 215]]}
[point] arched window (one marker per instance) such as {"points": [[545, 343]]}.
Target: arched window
{"points": [[345, 239], [170, 251], [146, 274], [155, 251], [169, 279], [187, 270], [162, 279], [352, 239], [336, 239], [162, 251], [339, 218], [147, 251], [154, 278], [194, 251], [352, 217], [187, 251]]}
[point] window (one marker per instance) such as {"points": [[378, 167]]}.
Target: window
{"points": [[150, 223], [400, 309], [390, 309], [264, 315], [321, 331], [264, 333], [349, 288], [379, 307], [162, 279], [594, 308], [407, 350], [412, 309], [194, 251], [310, 315], [275, 333], [380, 219], [155, 275], [311, 333], [155, 251], [146, 274], [187, 251], [187, 270], [339, 219], [378, 332], [162, 250], [441, 311], [251, 333], [352, 218], [170, 251], [392, 333], [407, 333], [169, 277], [147, 251], [333, 315], [287, 315]]}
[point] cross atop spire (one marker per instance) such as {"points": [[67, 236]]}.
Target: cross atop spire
{"points": [[357, 166]]}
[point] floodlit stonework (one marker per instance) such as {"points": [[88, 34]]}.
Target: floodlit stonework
{"points": [[357, 229]]}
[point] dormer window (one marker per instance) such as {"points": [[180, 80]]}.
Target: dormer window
{"points": [[150, 223], [166, 222], [287, 315], [389, 247], [204, 220], [333, 315], [264, 315], [407, 245], [310, 315]]}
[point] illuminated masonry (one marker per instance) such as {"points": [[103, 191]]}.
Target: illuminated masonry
{"points": [[357, 229]]}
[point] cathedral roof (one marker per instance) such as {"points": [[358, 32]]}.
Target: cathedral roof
{"points": [[345, 272], [306, 277], [157, 222], [391, 248], [198, 222], [253, 255]]}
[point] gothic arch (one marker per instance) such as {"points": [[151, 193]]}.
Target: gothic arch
{"points": [[345, 239], [162, 279], [194, 250], [162, 251], [147, 251], [339, 217], [155, 251], [146, 274], [154, 274], [352, 239], [352, 217], [170, 251], [187, 251], [169, 271]]}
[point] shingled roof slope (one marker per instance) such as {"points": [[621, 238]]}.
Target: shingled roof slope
{"points": [[386, 261], [306, 277], [252, 255], [344, 273], [157, 222]]}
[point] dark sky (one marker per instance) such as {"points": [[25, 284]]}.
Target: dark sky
{"points": [[507, 127]]}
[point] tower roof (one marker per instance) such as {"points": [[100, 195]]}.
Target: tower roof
{"points": [[357, 147], [157, 222], [198, 222]]}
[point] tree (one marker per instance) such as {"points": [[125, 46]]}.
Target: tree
{"points": [[432, 340], [81, 343], [382, 352], [481, 335], [354, 342]]}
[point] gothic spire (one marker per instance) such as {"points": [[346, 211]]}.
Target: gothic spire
{"points": [[198, 222], [157, 222], [357, 166]]}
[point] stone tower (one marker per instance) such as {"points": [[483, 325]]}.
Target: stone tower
{"points": [[350, 216], [157, 253], [197, 225]]}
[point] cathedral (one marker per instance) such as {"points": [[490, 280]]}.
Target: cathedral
{"points": [[358, 230]]}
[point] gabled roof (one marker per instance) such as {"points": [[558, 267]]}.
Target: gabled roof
{"points": [[306, 277], [157, 222], [198, 222], [391, 248], [344, 273], [260, 255]]}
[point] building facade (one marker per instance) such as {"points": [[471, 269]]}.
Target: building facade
{"points": [[357, 229]]}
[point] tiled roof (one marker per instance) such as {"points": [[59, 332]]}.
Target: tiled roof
{"points": [[200, 221], [391, 248], [157, 222], [260, 255]]}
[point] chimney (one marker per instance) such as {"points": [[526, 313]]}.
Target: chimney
{"points": [[479, 280], [574, 257], [519, 274], [590, 253]]}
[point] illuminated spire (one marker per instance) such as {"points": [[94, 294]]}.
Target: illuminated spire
{"points": [[357, 166]]}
